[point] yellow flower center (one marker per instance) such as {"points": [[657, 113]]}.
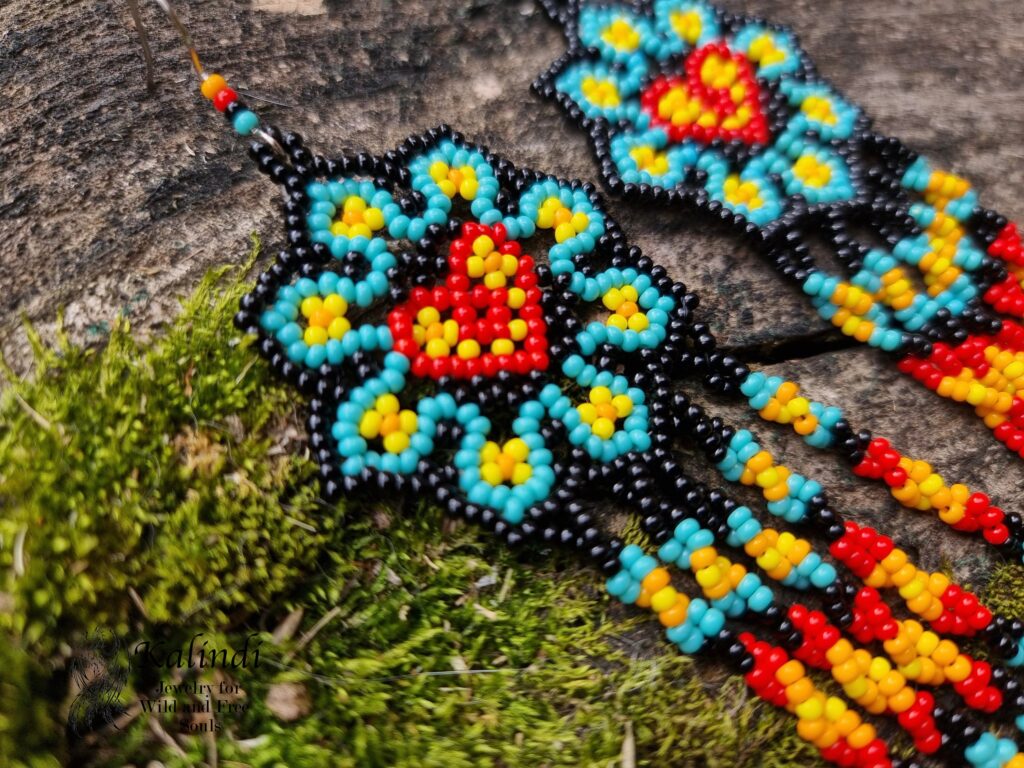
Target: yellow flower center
{"points": [[812, 172], [648, 159], [763, 51], [504, 464], [621, 35], [553, 214], [603, 410], [357, 219], [625, 311], [738, 192], [601, 93], [718, 72], [388, 422], [435, 336], [496, 268], [325, 317], [452, 181], [687, 25], [820, 109]]}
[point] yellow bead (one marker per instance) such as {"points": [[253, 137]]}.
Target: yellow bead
{"points": [[503, 346], [663, 599], [603, 428], [521, 473], [339, 327], [213, 85], [613, 299], [770, 559], [374, 218], [483, 246], [428, 316], [408, 421], [638, 322], [475, 266], [812, 709], [509, 264], [856, 687], [495, 280], [588, 412], [834, 708], [335, 304], [468, 349], [618, 321], [468, 189], [315, 335], [369, 424], [517, 449], [564, 231], [438, 170], [709, 577], [396, 442], [437, 348], [310, 305], [516, 297], [913, 588], [518, 329], [491, 473]]}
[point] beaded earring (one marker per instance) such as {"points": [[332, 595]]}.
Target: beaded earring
{"points": [[702, 110], [484, 336]]}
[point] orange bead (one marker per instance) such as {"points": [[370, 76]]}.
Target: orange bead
{"points": [[675, 615], [902, 700], [759, 462], [656, 580], [800, 691], [789, 672], [861, 736], [847, 722], [702, 558], [945, 653], [213, 85], [891, 684], [959, 669], [810, 730], [644, 600]]}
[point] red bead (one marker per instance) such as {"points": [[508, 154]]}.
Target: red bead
{"points": [[224, 98]]}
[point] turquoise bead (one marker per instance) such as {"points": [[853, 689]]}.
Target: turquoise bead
{"points": [[245, 122]]}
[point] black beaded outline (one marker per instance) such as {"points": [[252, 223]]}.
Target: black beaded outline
{"points": [[422, 265]]}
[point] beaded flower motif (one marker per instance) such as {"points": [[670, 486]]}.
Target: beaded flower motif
{"points": [[725, 110], [463, 324]]}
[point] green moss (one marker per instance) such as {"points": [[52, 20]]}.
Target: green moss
{"points": [[161, 489], [1005, 591]]}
